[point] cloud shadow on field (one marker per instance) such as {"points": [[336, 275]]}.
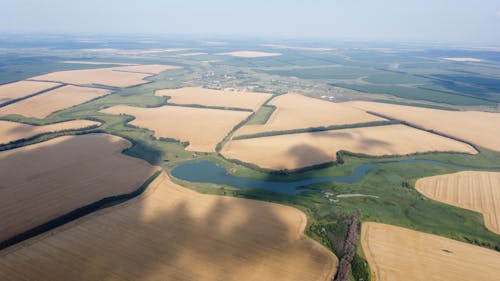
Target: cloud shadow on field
{"points": [[172, 233]]}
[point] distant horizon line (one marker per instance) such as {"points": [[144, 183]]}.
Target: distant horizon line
{"points": [[263, 38]]}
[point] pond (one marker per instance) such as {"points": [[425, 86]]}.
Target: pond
{"points": [[206, 171]]}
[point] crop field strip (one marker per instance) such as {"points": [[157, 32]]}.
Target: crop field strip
{"points": [[122, 76], [43, 105], [472, 126], [307, 149], [12, 92], [76, 170], [219, 98], [473, 190], [396, 253], [13, 131], [215, 238], [203, 128], [294, 111]]}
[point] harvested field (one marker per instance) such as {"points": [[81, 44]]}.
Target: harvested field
{"points": [[473, 190], [172, 233], [473, 126], [209, 97], [43, 181], [12, 131], [203, 128], [396, 253], [250, 54], [122, 76], [306, 149], [22, 89], [294, 111], [47, 103]]}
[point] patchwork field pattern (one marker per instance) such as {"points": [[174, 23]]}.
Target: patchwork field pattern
{"points": [[43, 181], [173, 233], [476, 127], [396, 253], [473, 190], [294, 111], [47, 103], [219, 98], [12, 131], [306, 149], [203, 128]]}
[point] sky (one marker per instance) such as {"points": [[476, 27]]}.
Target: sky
{"points": [[438, 21]]}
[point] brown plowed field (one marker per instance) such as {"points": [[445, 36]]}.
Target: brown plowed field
{"points": [[45, 180]]}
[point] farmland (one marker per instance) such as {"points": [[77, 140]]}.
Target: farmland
{"points": [[21, 89], [121, 76], [395, 253], [477, 191], [186, 124], [307, 149], [214, 98], [472, 126], [270, 121], [294, 111], [76, 170], [251, 54], [215, 237], [12, 131], [43, 105]]}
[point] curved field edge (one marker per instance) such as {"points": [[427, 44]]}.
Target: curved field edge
{"points": [[457, 189]]}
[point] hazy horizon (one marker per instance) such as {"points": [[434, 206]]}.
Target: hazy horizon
{"points": [[442, 21]]}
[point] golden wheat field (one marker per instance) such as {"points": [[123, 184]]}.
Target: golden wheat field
{"points": [[306, 149], [473, 190], [203, 128], [22, 89], [173, 233], [395, 253], [47, 103], [251, 54], [209, 97], [45, 180], [294, 111], [473, 126], [112, 76], [12, 131]]}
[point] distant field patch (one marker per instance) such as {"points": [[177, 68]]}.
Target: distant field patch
{"points": [[12, 131], [476, 127], [294, 111], [122, 76], [21, 89], [203, 128], [219, 98], [43, 105], [463, 59], [307, 149], [45, 180], [396, 253], [250, 54], [173, 233], [473, 190]]}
